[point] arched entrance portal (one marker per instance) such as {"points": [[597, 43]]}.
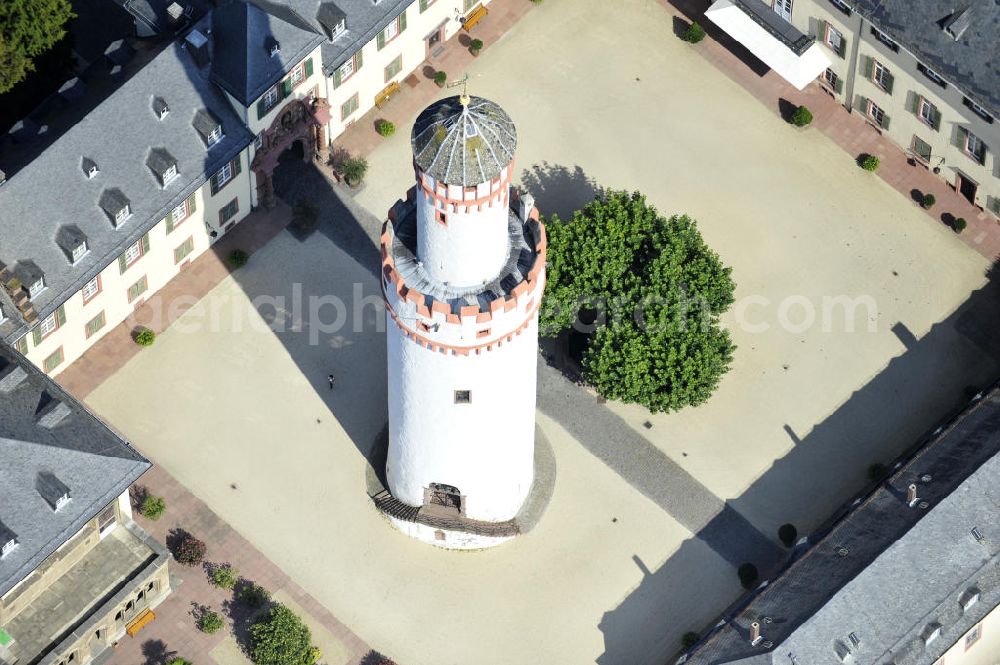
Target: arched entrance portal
{"points": [[300, 127]]}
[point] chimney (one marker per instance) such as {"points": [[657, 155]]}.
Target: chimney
{"points": [[197, 44], [754, 632], [911, 495], [11, 377]]}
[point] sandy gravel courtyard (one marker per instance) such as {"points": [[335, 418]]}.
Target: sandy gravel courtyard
{"points": [[649, 515]]}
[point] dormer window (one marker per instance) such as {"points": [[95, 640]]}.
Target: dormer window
{"points": [[31, 277], [273, 46], [54, 491], [72, 242], [207, 127], [160, 108], [333, 20], [115, 205], [8, 547], [162, 164], [89, 167], [36, 287]]}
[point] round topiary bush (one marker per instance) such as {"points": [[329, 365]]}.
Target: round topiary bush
{"points": [[690, 639], [440, 78], [748, 575], [225, 576], [210, 622], [385, 128], [801, 117], [238, 258], [959, 224], [179, 661], [475, 46], [190, 551], [788, 534], [869, 162], [927, 201], [145, 337], [354, 170], [152, 507], [694, 33]]}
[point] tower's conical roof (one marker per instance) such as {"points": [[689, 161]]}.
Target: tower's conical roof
{"points": [[463, 144]]}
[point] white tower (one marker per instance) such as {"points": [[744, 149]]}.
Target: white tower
{"points": [[463, 271]]}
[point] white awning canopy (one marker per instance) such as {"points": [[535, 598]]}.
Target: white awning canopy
{"points": [[798, 68]]}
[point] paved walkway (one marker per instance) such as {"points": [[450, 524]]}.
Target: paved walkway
{"points": [[848, 130], [173, 632]]}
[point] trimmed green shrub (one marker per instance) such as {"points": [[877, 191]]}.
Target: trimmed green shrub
{"points": [[788, 534], [254, 595], [440, 78], [748, 575], [145, 337], [238, 258], [210, 622], [225, 576], [476, 45], [385, 128], [927, 201], [179, 661], [152, 507], [694, 33], [191, 551], [690, 639], [869, 163], [959, 224], [280, 638], [354, 170], [801, 117]]}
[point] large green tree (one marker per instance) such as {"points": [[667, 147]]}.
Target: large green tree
{"points": [[656, 290], [280, 638], [28, 28]]}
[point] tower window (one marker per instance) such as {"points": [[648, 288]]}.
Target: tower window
{"points": [[463, 397], [440, 216], [485, 332]]}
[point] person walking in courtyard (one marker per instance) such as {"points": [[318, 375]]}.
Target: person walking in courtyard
{"points": [[331, 380]]}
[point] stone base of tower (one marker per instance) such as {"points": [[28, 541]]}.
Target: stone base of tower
{"points": [[447, 538]]}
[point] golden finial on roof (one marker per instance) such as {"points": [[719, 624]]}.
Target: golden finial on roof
{"points": [[464, 82]]}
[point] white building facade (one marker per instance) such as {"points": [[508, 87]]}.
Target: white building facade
{"points": [[463, 271]]}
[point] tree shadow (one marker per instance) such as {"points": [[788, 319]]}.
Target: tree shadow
{"points": [[243, 615], [680, 28], [559, 189], [786, 109], [375, 658], [174, 538], [156, 652], [916, 196], [694, 11], [428, 71], [948, 219]]}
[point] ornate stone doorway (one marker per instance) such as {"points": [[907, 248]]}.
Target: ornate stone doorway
{"points": [[301, 126]]}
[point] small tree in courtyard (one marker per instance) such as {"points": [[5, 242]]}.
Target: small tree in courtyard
{"points": [[656, 290], [280, 638], [144, 337], [694, 33], [869, 162], [801, 116], [190, 550], [354, 170], [152, 507], [959, 224], [225, 576], [210, 622], [385, 128]]}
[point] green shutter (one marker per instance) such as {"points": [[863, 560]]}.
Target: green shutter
{"points": [[286, 87], [842, 49], [169, 219], [261, 109], [309, 67], [22, 345], [423, 6], [61, 315], [961, 136], [885, 121], [192, 204], [936, 120], [863, 105], [122, 266], [823, 32], [237, 166], [214, 184], [358, 60], [838, 85], [888, 82], [380, 40], [145, 244], [867, 66], [36, 336], [336, 78], [913, 104], [402, 21]]}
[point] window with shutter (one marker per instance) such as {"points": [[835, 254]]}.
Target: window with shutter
{"points": [[53, 360], [22, 345]]}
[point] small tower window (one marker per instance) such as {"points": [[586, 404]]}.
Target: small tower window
{"points": [[441, 217], [485, 332], [463, 397]]}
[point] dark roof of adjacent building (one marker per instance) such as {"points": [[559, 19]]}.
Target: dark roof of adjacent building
{"points": [[156, 14], [928, 28], [51, 447], [118, 137], [255, 44], [363, 20], [888, 574], [463, 144]]}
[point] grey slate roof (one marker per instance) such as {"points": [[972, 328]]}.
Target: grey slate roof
{"points": [[72, 453], [887, 570], [242, 34], [775, 25], [463, 145], [972, 62], [365, 19], [118, 135]]}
